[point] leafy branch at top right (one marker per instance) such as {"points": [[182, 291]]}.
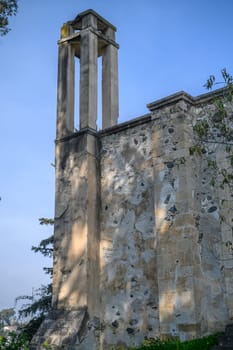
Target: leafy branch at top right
{"points": [[215, 128], [212, 152]]}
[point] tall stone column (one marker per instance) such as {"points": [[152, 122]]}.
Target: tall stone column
{"points": [[76, 253], [110, 108], [88, 75], [65, 90]]}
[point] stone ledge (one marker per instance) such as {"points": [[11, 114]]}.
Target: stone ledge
{"points": [[125, 125], [102, 22], [184, 96], [153, 106]]}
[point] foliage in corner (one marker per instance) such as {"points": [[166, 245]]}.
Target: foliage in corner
{"points": [[8, 8], [39, 303], [217, 128], [213, 130], [14, 341]]}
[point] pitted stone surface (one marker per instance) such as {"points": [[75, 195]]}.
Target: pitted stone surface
{"points": [[128, 241]]}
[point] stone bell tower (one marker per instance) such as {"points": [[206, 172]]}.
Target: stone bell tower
{"points": [[86, 38], [76, 257], [76, 298]]}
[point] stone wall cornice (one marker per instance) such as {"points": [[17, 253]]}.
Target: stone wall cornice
{"points": [[172, 99], [154, 106], [184, 96], [74, 135], [125, 125], [75, 38], [210, 96], [102, 22]]}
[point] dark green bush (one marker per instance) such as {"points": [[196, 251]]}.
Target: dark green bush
{"points": [[14, 341], [196, 344]]}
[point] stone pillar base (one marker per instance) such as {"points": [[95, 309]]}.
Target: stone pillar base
{"points": [[69, 330]]}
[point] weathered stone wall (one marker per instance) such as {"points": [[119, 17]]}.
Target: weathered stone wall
{"points": [[192, 292], [175, 222], [129, 286], [76, 223], [165, 265], [143, 231], [214, 219]]}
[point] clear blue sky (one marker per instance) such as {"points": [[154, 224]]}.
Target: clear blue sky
{"points": [[165, 46]]}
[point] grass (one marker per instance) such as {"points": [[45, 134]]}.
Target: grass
{"points": [[196, 344]]}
